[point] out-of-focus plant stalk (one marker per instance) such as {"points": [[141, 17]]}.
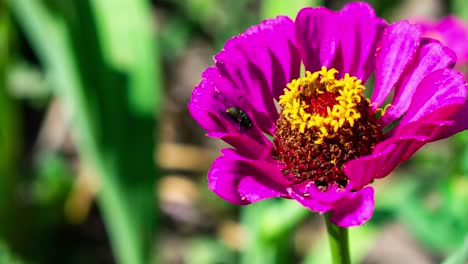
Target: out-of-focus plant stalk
{"points": [[9, 130], [112, 101]]}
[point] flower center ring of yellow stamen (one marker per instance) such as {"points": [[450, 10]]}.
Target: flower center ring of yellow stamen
{"points": [[324, 122], [338, 104]]}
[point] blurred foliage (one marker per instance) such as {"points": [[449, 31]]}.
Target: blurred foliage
{"points": [[460, 256], [459, 8], [105, 63], [108, 80], [203, 250], [7, 257], [53, 181], [272, 8], [26, 81]]}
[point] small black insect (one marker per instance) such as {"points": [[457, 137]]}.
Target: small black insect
{"points": [[240, 117]]}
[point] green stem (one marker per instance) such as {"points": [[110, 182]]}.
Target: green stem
{"points": [[338, 239]]}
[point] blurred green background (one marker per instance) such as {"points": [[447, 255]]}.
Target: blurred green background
{"points": [[101, 163]]}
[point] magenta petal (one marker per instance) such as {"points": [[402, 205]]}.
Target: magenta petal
{"points": [[208, 105], [254, 190], [431, 57], [213, 96], [427, 129], [271, 47], [384, 158], [245, 145], [439, 89], [261, 62], [360, 31], [391, 152], [316, 37], [309, 202], [224, 177], [364, 170], [270, 169], [330, 196], [399, 43], [242, 181], [355, 210], [344, 40], [422, 132], [460, 123], [233, 65], [437, 98]]}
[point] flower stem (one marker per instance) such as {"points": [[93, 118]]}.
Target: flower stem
{"points": [[338, 239]]}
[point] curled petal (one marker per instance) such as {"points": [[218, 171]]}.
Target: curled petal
{"points": [[223, 178], [441, 88], [348, 208], [242, 181], [254, 190], [388, 154], [308, 201], [320, 201], [355, 210], [430, 57], [364, 170], [270, 169], [423, 131], [333, 193], [460, 123]]}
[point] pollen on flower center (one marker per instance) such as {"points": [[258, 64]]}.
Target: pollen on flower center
{"points": [[324, 122]]}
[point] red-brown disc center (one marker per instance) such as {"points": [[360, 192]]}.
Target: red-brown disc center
{"points": [[318, 104]]}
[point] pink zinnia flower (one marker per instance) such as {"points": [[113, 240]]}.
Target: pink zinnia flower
{"points": [[450, 31], [316, 138]]}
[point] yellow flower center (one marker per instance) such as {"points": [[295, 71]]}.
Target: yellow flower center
{"points": [[341, 98]]}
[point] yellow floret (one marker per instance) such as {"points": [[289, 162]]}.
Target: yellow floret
{"points": [[348, 90]]}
